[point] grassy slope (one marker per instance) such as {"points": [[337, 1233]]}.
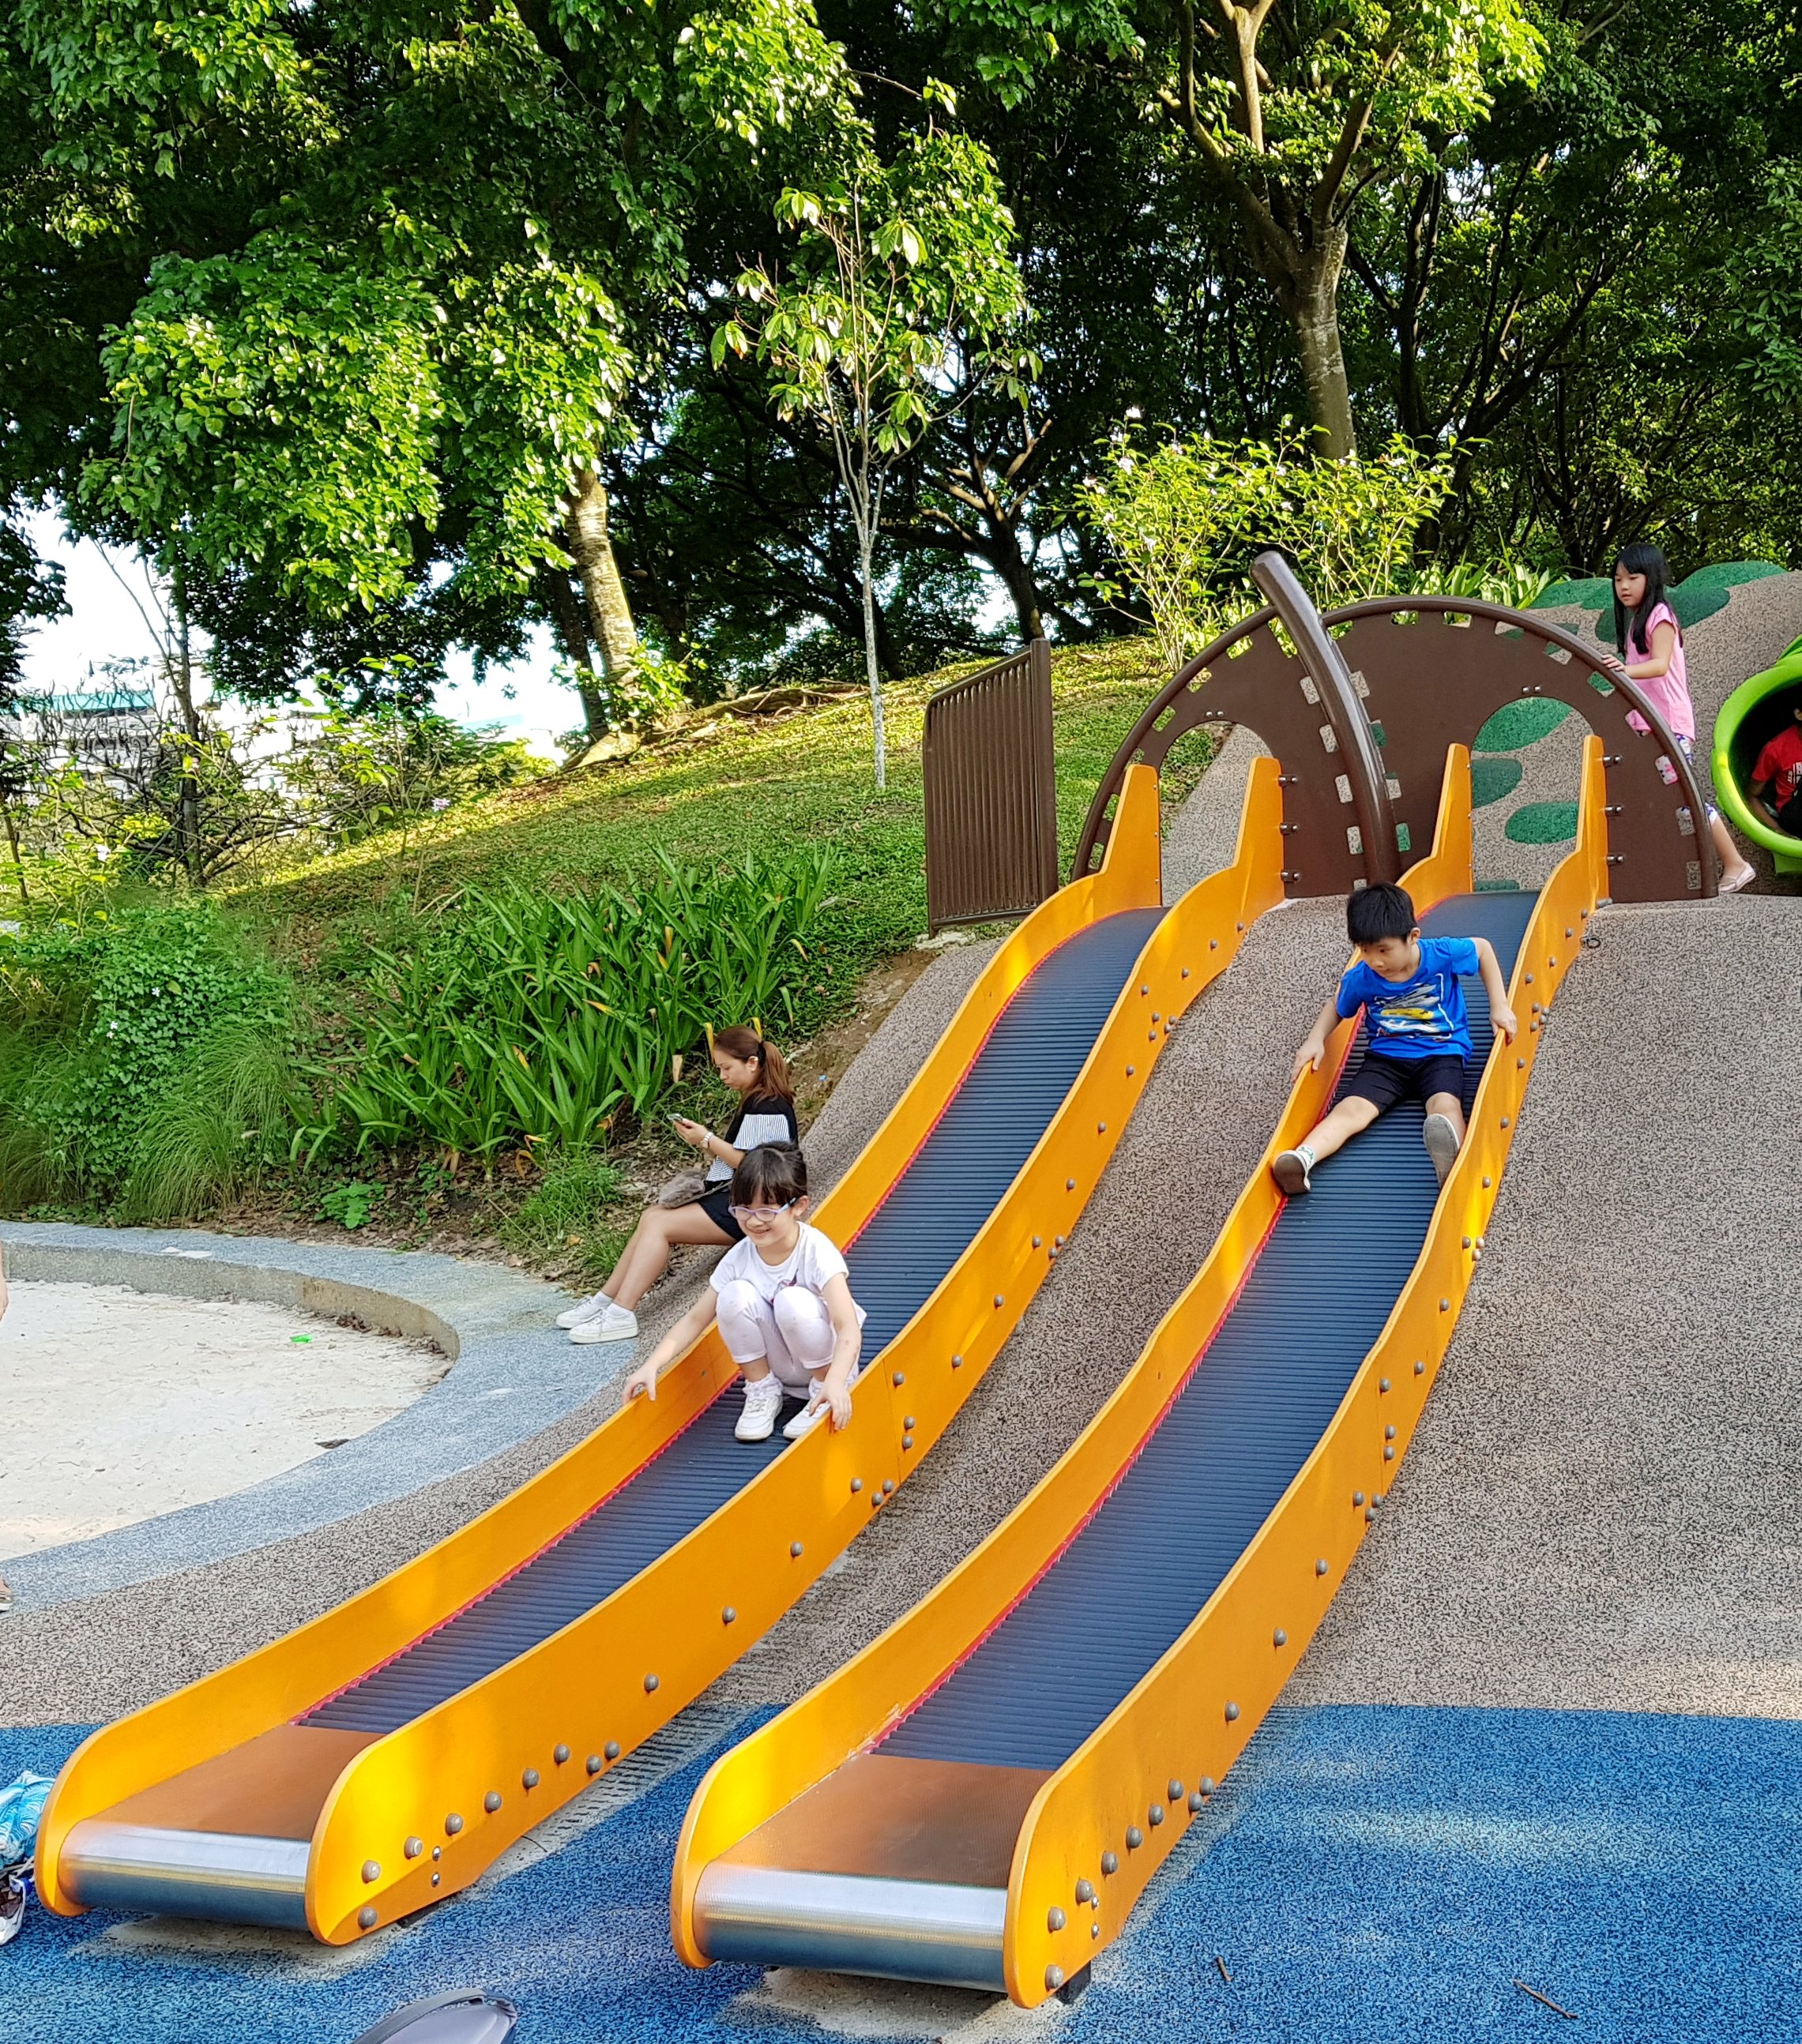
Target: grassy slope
{"points": [[724, 789]]}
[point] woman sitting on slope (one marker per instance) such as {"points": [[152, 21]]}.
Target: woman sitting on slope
{"points": [[755, 1071]]}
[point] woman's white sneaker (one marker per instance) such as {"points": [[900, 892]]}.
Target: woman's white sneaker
{"points": [[590, 1309], [614, 1324], [763, 1402]]}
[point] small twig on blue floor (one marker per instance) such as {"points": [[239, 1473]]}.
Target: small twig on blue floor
{"points": [[1221, 1964], [1547, 2000]]}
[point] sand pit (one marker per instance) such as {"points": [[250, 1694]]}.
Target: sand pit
{"points": [[122, 1404]]}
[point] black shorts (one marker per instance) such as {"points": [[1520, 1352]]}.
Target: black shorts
{"points": [[1383, 1080], [717, 1207]]}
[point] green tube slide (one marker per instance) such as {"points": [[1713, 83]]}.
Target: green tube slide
{"points": [[1750, 718]]}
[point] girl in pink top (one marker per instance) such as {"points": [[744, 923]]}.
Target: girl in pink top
{"points": [[1650, 641]]}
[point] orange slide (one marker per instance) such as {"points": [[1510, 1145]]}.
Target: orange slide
{"points": [[380, 1758]]}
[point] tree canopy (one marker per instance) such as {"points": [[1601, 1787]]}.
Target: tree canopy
{"points": [[388, 332]]}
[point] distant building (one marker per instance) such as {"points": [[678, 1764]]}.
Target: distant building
{"points": [[102, 729]]}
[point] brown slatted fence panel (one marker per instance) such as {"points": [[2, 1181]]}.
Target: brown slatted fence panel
{"points": [[990, 793]]}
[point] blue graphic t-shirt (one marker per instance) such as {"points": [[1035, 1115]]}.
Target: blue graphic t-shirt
{"points": [[1421, 1017]]}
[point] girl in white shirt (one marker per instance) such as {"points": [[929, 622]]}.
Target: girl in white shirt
{"points": [[756, 1071], [783, 1300]]}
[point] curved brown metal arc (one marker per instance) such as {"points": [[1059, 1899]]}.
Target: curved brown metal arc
{"points": [[1358, 743], [1555, 634], [1145, 731], [1094, 824]]}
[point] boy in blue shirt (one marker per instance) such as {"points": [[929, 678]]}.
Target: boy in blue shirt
{"points": [[1417, 1033]]}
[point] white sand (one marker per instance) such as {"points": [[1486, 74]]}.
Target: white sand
{"points": [[117, 1405]]}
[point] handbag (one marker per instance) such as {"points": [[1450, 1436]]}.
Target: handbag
{"points": [[683, 1190]]}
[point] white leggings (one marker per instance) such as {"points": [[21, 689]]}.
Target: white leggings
{"points": [[794, 1335]]}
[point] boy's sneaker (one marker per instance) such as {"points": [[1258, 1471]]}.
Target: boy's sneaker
{"points": [[614, 1324], [1442, 1143], [1294, 1171], [763, 1404], [590, 1309]]}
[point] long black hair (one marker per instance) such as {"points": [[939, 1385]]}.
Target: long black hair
{"points": [[1640, 558]]}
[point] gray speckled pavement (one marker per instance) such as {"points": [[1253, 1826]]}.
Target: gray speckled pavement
{"points": [[1598, 1509]]}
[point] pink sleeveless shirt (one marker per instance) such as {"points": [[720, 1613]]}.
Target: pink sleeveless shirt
{"points": [[1669, 693]]}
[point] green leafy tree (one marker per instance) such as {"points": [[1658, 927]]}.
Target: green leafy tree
{"points": [[902, 279], [1296, 112]]}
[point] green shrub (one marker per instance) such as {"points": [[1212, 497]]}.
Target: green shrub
{"points": [[145, 1060], [525, 1016], [578, 1216], [1185, 517]]}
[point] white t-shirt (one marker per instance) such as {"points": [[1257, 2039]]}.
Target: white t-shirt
{"points": [[812, 1264]]}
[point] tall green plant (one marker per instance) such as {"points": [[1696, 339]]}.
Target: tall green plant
{"points": [[525, 1016]]}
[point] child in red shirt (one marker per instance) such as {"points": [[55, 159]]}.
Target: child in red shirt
{"points": [[1777, 779]]}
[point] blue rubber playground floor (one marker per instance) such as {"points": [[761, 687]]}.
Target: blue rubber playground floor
{"points": [[1370, 1873]]}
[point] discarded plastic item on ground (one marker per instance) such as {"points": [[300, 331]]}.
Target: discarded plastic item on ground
{"points": [[465, 2016], [21, 1804]]}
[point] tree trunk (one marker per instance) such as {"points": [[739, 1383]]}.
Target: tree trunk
{"points": [[1306, 280], [1016, 574], [609, 614], [572, 636], [187, 824], [1313, 307], [872, 673]]}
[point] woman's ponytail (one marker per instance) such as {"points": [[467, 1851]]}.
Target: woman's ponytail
{"points": [[743, 1042]]}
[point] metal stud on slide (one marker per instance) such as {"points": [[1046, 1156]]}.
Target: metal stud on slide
{"points": [[492, 1802], [650, 1684], [613, 1749], [1320, 1566], [530, 1778], [729, 1615], [794, 1550], [1420, 1369], [372, 1871], [1279, 1637], [1232, 1713], [366, 1917], [453, 1823], [1054, 1917], [1110, 1862], [594, 1763], [561, 1755], [414, 1848], [1156, 1813], [1135, 1838], [1054, 1977], [1085, 1891], [1174, 1789]]}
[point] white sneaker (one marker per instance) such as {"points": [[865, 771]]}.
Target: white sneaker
{"points": [[1442, 1143], [763, 1401], [805, 1421], [809, 1415], [590, 1309], [614, 1324]]}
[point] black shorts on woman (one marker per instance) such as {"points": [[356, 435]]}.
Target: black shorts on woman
{"points": [[1383, 1080]]}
